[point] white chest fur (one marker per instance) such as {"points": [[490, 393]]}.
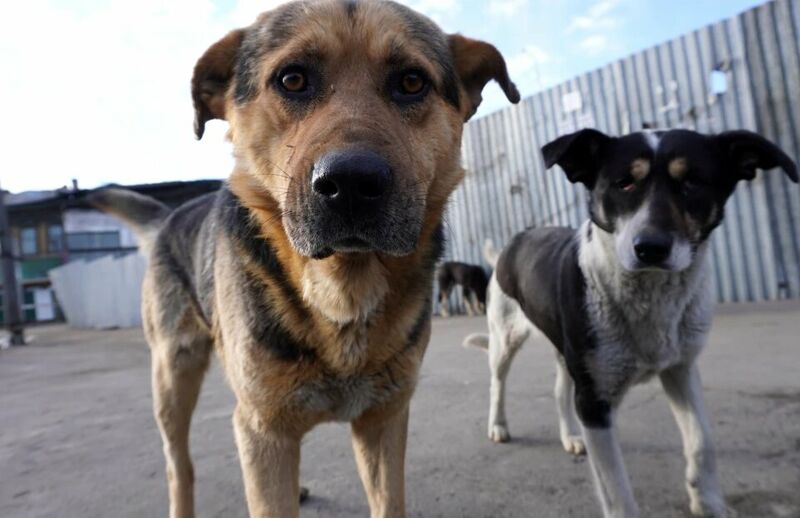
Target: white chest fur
{"points": [[644, 321]]}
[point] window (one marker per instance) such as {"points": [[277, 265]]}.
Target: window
{"points": [[55, 238], [93, 240], [27, 241]]}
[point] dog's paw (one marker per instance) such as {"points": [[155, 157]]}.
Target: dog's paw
{"points": [[573, 444], [711, 508], [499, 433]]}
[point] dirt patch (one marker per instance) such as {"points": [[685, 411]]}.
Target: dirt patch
{"points": [[764, 504]]}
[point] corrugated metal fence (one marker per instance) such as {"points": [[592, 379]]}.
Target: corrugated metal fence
{"points": [[754, 58]]}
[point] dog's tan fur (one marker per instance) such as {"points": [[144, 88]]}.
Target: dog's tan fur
{"points": [[363, 318]]}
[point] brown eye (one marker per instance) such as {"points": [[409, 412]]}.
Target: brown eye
{"points": [[294, 82], [412, 83], [409, 87]]}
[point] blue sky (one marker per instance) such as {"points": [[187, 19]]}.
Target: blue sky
{"points": [[99, 88]]}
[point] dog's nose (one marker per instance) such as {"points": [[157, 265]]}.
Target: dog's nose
{"points": [[354, 182], [653, 248]]}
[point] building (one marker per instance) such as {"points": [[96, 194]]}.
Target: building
{"points": [[51, 228]]}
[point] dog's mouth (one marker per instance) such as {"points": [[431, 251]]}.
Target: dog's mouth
{"points": [[318, 234], [352, 244]]}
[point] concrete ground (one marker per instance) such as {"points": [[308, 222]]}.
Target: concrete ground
{"points": [[77, 437]]}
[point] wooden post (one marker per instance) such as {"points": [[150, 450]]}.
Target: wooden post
{"points": [[13, 316]]}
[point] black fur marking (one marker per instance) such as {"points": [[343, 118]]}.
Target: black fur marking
{"points": [[539, 269], [433, 43], [350, 6], [266, 326], [420, 324], [174, 247], [270, 34], [435, 252], [268, 330]]}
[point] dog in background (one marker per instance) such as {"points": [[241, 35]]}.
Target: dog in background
{"points": [[627, 296], [310, 271], [473, 281]]}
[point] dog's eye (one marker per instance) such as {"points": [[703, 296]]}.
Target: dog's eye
{"points": [[294, 81], [412, 83], [627, 183], [409, 87]]}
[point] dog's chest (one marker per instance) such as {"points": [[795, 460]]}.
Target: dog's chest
{"points": [[344, 398], [645, 326]]}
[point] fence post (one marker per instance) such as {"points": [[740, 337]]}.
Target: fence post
{"points": [[13, 316]]}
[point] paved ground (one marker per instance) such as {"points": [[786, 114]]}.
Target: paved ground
{"points": [[77, 437]]}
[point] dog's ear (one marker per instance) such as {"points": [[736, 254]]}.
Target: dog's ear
{"points": [[212, 77], [579, 154], [747, 152], [477, 63]]}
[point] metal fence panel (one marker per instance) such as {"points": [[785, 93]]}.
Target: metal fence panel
{"points": [[756, 252], [104, 293]]}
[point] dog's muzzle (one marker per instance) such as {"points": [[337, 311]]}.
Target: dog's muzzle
{"points": [[353, 204]]}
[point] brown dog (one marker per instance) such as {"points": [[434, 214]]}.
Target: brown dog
{"points": [[311, 271]]}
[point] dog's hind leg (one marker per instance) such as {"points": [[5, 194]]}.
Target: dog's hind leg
{"points": [[467, 295], [684, 390], [444, 303], [178, 366], [568, 426], [508, 330], [180, 347]]}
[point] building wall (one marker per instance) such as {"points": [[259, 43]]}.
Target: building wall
{"points": [[82, 220], [756, 252]]}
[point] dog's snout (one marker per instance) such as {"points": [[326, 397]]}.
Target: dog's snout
{"points": [[653, 248], [354, 182]]}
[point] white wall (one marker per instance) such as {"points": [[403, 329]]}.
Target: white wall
{"points": [[104, 293]]}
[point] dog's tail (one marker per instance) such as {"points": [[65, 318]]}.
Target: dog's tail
{"points": [[490, 253], [144, 214], [477, 341]]}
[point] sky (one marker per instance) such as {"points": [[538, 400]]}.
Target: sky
{"points": [[98, 90]]}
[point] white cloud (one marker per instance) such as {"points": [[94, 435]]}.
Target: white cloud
{"points": [[597, 17], [506, 8], [526, 61], [594, 44]]}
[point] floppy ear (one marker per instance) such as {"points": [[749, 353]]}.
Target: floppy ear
{"points": [[212, 77], [477, 63], [579, 154], [748, 151]]}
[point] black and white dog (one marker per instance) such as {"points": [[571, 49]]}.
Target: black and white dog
{"points": [[626, 296], [473, 281]]}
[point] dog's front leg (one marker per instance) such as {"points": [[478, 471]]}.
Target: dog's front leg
{"points": [[379, 443], [605, 459], [270, 467], [684, 390]]}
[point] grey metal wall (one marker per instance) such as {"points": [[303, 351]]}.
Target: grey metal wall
{"points": [[756, 252], [103, 293]]}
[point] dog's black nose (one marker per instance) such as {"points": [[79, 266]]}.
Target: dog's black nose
{"points": [[354, 182], [653, 248]]}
